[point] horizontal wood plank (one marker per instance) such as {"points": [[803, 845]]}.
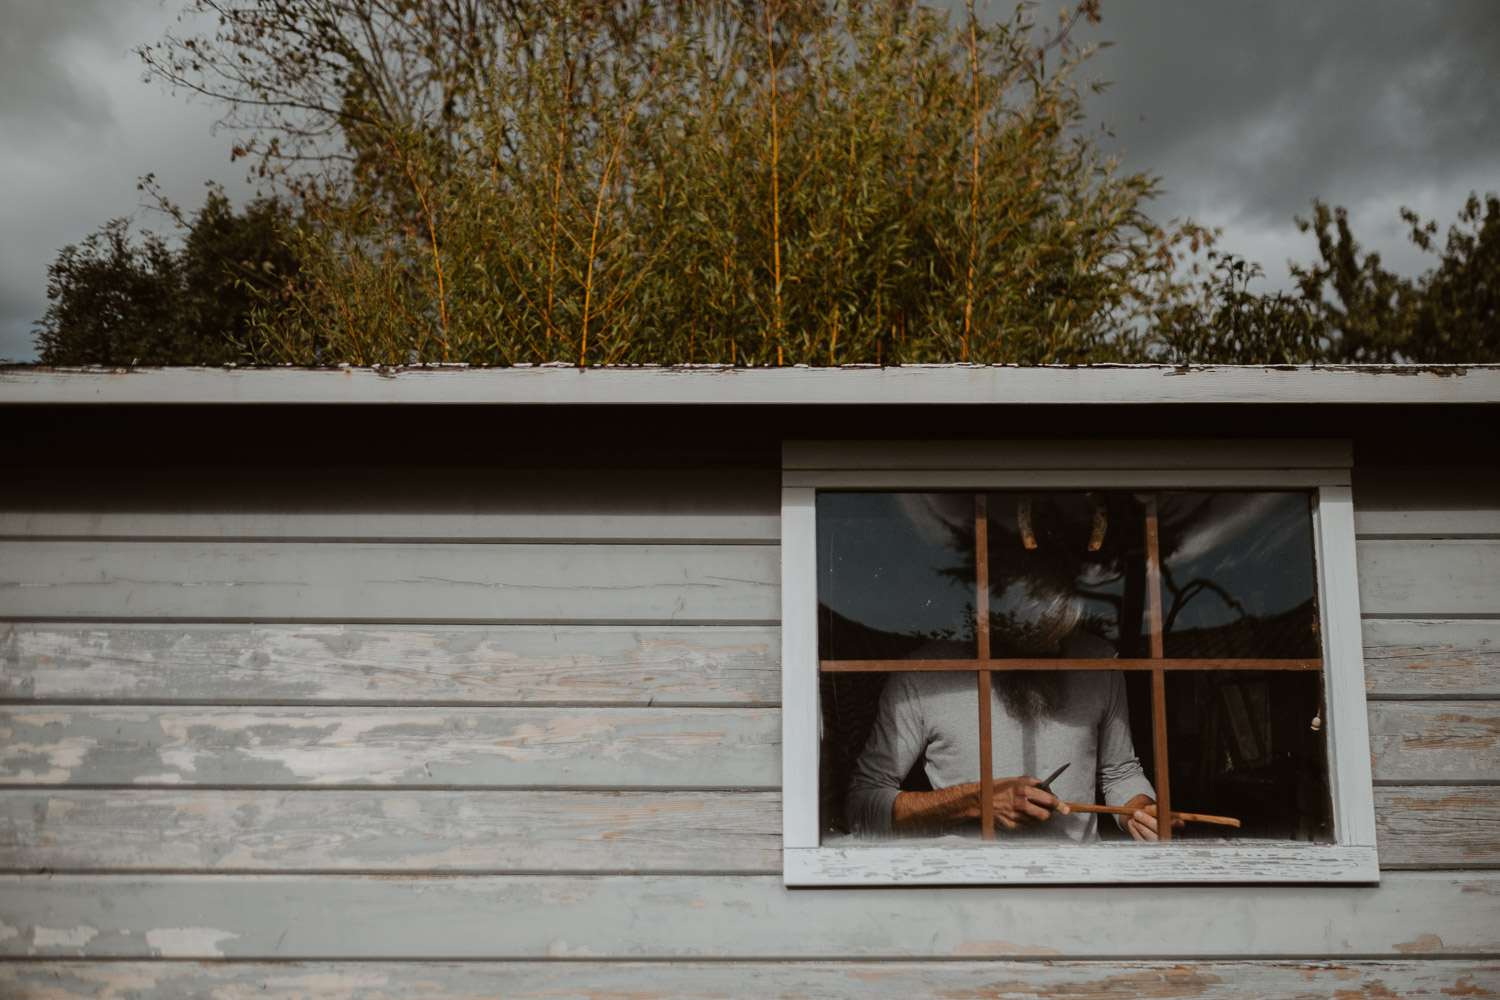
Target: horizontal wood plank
{"points": [[1410, 915], [1429, 578], [1451, 826], [389, 831], [584, 980], [508, 747], [431, 502], [1431, 501], [399, 830], [374, 582], [1425, 741], [1427, 658], [475, 665]]}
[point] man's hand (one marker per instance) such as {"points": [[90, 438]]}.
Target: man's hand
{"points": [[1018, 802], [1141, 824], [1022, 801]]}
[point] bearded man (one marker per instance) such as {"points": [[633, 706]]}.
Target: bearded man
{"points": [[1040, 721]]}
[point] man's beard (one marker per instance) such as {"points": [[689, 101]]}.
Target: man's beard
{"points": [[1029, 695]]}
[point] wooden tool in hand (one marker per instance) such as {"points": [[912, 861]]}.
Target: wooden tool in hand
{"points": [[1088, 807]]}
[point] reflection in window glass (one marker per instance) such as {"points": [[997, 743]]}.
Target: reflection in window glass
{"points": [[896, 576], [1067, 574], [1243, 745], [1068, 579], [1237, 575]]}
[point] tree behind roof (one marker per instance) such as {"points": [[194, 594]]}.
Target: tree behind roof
{"points": [[745, 183]]}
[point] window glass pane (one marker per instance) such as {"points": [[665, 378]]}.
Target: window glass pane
{"points": [[895, 576], [1237, 575], [1243, 744], [1067, 579], [1067, 574]]}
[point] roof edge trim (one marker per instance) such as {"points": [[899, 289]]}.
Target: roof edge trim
{"points": [[704, 385]]}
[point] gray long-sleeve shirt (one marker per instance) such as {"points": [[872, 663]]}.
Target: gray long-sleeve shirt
{"points": [[937, 714]]}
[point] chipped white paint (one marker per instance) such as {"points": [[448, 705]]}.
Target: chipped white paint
{"points": [[188, 942], [678, 747], [62, 937], [345, 664], [640, 917], [898, 980], [702, 385]]}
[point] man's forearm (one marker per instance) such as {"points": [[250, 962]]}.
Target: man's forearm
{"points": [[1017, 802], [912, 811]]}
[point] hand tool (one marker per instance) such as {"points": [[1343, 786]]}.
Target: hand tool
{"points": [[1046, 786], [1151, 811]]}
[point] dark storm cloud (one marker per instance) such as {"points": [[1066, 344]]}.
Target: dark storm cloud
{"points": [[1265, 105], [78, 128], [39, 68]]}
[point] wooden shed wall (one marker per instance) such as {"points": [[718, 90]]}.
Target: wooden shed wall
{"points": [[438, 732]]}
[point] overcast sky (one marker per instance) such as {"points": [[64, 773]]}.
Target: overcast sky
{"points": [[1246, 110]]}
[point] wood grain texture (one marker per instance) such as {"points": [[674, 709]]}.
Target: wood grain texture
{"points": [[1422, 741], [475, 665], [433, 502], [1429, 578], [976, 980], [389, 831], [1410, 915], [1451, 826], [368, 581], [526, 747], [1427, 658]]}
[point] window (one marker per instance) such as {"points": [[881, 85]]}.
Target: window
{"points": [[1171, 620]]}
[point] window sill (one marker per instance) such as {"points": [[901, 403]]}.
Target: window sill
{"points": [[1176, 863]]}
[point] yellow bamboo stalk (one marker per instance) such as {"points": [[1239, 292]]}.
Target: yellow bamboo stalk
{"points": [[973, 192], [437, 258], [562, 127], [775, 175], [588, 285]]}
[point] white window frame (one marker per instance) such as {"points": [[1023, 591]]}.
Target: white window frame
{"points": [[1320, 466]]}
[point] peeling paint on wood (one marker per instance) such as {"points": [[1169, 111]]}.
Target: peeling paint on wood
{"points": [[1454, 741], [731, 665], [187, 942], [665, 917], [706, 385], [393, 831], [949, 980], [1447, 826], [563, 747], [1431, 658], [369, 581]]}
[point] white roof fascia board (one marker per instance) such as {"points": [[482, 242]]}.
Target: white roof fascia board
{"points": [[709, 385]]}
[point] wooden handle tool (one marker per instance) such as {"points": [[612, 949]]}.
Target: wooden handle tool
{"points": [[1088, 807]]}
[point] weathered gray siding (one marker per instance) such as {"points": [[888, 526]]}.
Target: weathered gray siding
{"points": [[415, 733]]}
